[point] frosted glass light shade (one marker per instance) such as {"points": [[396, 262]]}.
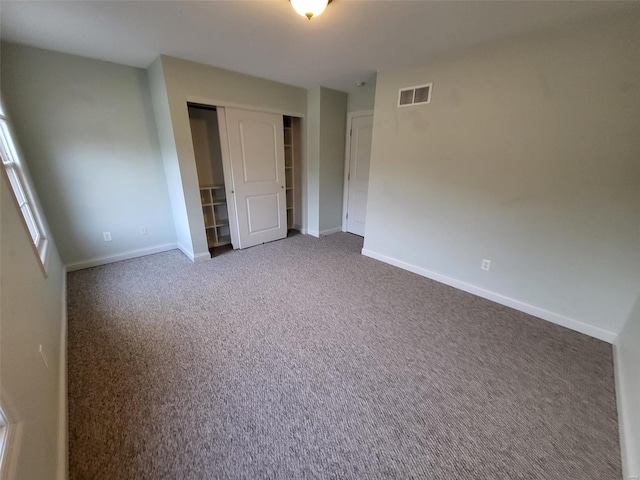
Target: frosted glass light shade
{"points": [[309, 8]]}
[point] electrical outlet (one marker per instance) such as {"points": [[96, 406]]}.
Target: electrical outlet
{"points": [[107, 236], [143, 230], [486, 264], [42, 354]]}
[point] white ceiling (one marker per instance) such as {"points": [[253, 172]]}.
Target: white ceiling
{"points": [[347, 43]]}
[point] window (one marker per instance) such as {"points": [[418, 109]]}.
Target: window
{"points": [[10, 439], [3, 436], [17, 179]]}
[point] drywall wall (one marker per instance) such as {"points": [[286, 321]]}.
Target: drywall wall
{"points": [[312, 164], [326, 130], [362, 98], [197, 83], [627, 359], [527, 155], [333, 127], [162, 115], [32, 313], [88, 132]]}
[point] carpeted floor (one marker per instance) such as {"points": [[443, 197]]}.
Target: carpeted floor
{"points": [[302, 359]]}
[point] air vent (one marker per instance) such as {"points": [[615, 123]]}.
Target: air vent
{"points": [[406, 97], [415, 95]]}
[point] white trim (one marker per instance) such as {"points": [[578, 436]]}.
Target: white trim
{"points": [[240, 106], [201, 257], [12, 439], [330, 231], [347, 163], [63, 435], [118, 257], [187, 253], [11, 450], [12, 161], [570, 323], [227, 173], [313, 233], [620, 392]]}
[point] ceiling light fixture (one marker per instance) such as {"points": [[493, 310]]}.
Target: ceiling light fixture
{"points": [[310, 8]]}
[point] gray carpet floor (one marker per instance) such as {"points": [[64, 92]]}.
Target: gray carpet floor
{"points": [[302, 359]]}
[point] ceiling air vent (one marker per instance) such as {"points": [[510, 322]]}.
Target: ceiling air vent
{"points": [[415, 95]]}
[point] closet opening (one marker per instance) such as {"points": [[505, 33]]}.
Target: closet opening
{"points": [[293, 170], [249, 168], [208, 154]]}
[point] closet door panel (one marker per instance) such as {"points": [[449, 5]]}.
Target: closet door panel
{"points": [[259, 152], [256, 150], [263, 213]]}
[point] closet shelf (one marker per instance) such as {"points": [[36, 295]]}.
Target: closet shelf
{"points": [[223, 240], [291, 140], [214, 204]]}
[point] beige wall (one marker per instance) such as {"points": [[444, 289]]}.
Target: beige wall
{"points": [[333, 126], [628, 391], [88, 132], [32, 314], [362, 98], [326, 128], [173, 176], [527, 156], [312, 170], [193, 82]]}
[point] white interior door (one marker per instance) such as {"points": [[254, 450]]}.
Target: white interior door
{"points": [[358, 175], [256, 150]]}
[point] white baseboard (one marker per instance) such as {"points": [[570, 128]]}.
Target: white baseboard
{"points": [[186, 252], [620, 394], [570, 323], [330, 231], [313, 233], [630, 456], [201, 257], [118, 257], [63, 435]]}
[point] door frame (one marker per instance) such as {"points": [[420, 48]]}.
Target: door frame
{"points": [[228, 177], [347, 162]]}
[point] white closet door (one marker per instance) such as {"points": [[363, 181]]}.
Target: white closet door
{"points": [[256, 149], [359, 159]]}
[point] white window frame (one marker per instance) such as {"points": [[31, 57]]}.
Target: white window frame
{"points": [[4, 433], [11, 427], [22, 192]]}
